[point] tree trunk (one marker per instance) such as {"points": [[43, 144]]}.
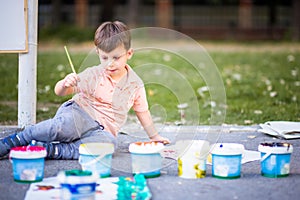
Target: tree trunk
{"points": [[245, 14], [107, 13], [296, 20], [164, 13], [81, 10], [133, 13], [56, 16]]}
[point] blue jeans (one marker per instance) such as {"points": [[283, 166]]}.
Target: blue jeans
{"points": [[70, 127]]}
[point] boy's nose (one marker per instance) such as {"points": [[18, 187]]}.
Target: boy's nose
{"points": [[109, 63]]}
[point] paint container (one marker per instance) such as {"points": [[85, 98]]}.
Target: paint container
{"points": [[275, 159], [77, 184], [227, 160], [192, 158], [28, 163], [146, 158], [96, 157]]}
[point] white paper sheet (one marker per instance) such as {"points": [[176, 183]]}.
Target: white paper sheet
{"points": [[106, 189], [283, 129], [171, 152]]}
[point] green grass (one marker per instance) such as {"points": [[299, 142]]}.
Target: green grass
{"points": [[267, 90], [260, 86]]}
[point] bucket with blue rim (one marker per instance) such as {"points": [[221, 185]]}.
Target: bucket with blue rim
{"points": [[275, 159], [28, 163], [227, 160], [96, 157], [77, 184]]}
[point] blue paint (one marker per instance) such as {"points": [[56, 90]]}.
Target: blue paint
{"points": [[227, 160], [275, 159]]}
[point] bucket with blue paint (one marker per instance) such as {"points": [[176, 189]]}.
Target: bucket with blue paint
{"points": [[146, 158], [275, 159], [227, 160], [28, 163], [77, 184], [96, 157]]}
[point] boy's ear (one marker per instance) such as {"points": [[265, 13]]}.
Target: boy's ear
{"points": [[129, 53]]}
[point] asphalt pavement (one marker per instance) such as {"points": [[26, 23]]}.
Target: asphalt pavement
{"points": [[251, 184]]}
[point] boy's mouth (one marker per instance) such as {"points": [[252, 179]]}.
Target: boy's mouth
{"points": [[111, 70]]}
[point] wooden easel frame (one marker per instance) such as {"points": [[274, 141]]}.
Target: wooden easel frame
{"points": [[21, 50]]}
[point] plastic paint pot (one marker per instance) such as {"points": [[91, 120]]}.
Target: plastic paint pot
{"points": [[28, 163], [275, 159], [192, 160], [77, 184], [227, 160], [146, 158], [96, 157]]}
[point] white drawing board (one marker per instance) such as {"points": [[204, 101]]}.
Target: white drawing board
{"points": [[13, 26]]}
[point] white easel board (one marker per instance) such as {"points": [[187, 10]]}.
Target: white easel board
{"points": [[13, 26]]}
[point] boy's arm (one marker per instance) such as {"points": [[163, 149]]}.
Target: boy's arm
{"points": [[66, 85], [147, 123]]}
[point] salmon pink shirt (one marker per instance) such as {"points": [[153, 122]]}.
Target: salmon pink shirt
{"points": [[108, 101]]}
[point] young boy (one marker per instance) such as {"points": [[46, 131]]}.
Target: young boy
{"points": [[103, 95]]}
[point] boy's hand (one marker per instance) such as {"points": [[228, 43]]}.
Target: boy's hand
{"points": [[160, 139], [70, 80]]}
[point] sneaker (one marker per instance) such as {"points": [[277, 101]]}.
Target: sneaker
{"points": [[9, 142], [58, 150], [51, 148]]}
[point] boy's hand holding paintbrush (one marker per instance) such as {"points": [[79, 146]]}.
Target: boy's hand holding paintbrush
{"points": [[65, 86]]}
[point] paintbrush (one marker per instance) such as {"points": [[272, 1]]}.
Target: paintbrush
{"points": [[70, 61]]}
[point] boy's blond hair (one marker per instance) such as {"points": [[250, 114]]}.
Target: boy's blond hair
{"points": [[110, 35]]}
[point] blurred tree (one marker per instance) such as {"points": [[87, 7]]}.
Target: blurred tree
{"points": [[245, 14], [296, 20], [133, 13], [56, 10], [107, 13], [164, 13], [81, 10], [272, 18], [272, 12]]}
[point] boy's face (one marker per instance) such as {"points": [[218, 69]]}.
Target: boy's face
{"points": [[115, 60]]}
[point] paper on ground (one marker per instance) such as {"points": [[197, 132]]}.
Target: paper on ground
{"points": [[248, 156], [172, 153], [106, 189], [284, 129]]}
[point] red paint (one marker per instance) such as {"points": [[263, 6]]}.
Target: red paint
{"points": [[28, 148]]}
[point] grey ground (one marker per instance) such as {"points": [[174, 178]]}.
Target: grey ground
{"points": [[251, 185]]}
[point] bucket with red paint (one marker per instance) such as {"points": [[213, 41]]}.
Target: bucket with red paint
{"points": [[28, 163]]}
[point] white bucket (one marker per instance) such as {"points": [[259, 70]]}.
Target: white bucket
{"points": [[275, 159], [192, 160], [146, 158], [28, 163], [96, 157], [227, 160]]}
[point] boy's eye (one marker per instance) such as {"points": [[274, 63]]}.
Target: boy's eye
{"points": [[116, 57], [104, 58]]}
